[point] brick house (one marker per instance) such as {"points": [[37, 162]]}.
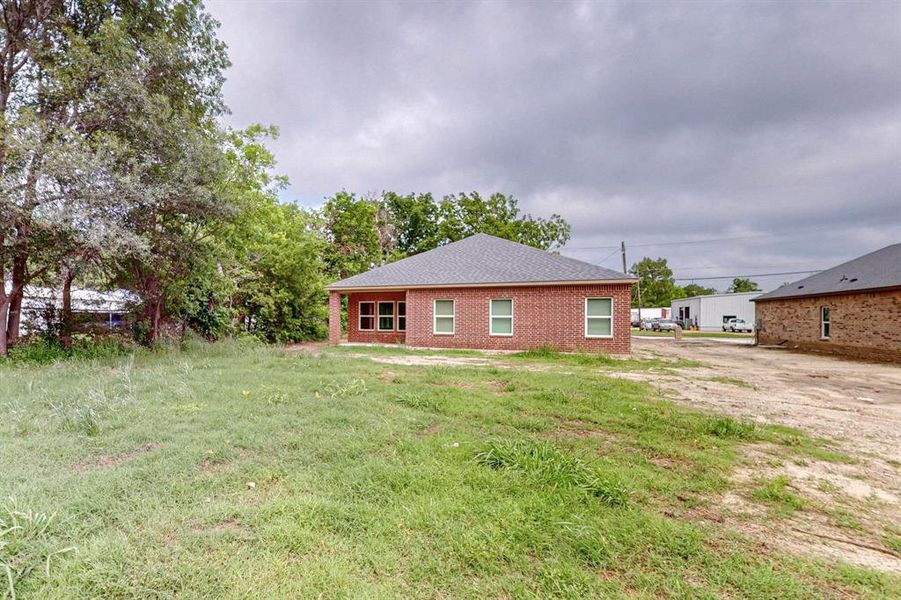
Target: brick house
{"points": [[853, 309], [488, 293]]}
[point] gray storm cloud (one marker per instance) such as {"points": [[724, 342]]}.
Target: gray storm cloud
{"points": [[779, 123]]}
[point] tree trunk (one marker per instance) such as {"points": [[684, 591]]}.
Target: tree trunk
{"points": [[4, 306], [65, 337], [15, 300], [4, 301], [153, 307]]}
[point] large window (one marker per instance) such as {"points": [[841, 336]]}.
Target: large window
{"points": [[401, 316], [500, 315], [367, 316], [599, 317], [824, 322], [444, 317], [386, 316]]}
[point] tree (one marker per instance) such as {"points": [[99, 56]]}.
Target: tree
{"points": [[268, 272], [105, 108], [463, 215], [415, 217], [693, 289], [658, 287], [349, 225], [743, 285]]}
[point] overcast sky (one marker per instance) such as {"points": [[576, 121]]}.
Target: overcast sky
{"points": [[655, 123]]}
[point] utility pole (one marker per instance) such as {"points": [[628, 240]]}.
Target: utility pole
{"points": [[626, 272]]}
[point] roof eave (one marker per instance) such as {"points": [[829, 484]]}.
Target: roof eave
{"points": [[869, 290], [389, 288]]}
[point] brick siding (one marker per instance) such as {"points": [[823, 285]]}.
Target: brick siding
{"points": [[542, 316], [863, 325], [373, 337]]}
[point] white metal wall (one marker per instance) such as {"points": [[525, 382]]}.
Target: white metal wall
{"points": [[708, 311]]}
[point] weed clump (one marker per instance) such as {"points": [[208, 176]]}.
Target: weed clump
{"points": [[729, 428], [25, 544], [776, 492], [554, 467]]}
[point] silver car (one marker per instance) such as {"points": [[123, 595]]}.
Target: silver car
{"points": [[665, 325]]}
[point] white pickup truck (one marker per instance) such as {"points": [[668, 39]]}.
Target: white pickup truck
{"points": [[738, 325]]}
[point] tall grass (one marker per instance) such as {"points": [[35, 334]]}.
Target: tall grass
{"points": [[553, 467], [25, 544]]}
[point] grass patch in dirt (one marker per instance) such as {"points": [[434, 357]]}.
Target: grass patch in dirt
{"points": [[777, 494], [550, 355], [731, 381], [438, 481]]}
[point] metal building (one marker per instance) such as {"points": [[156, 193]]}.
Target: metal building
{"points": [[709, 313]]}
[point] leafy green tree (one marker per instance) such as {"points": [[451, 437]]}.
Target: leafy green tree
{"points": [[463, 215], [693, 289], [415, 217], [658, 287], [349, 225], [268, 272], [108, 139], [743, 285]]}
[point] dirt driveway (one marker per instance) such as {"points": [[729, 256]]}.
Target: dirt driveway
{"points": [[855, 401], [853, 506]]}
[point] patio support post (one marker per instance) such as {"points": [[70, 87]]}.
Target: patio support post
{"points": [[334, 318]]}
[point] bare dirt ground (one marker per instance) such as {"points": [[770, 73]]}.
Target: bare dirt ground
{"points": [[852, 508]]}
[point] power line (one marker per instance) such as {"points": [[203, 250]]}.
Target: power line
{"points": [[746, 275], [680, 243]]}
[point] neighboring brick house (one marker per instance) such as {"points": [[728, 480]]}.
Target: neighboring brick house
{"points": [[488, 293], [853, 309]]}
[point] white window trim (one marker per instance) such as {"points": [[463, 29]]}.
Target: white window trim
{"points": [[823, 322], [397, 315], [491, 318], [378, 316], [435, 317], [360, 315], [612, 311]]}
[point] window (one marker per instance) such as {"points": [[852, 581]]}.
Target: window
{"points": [[500, 315], [444, 317], [367, 316], [401, 316], [599, 317], [386, 316], [824, 323]]}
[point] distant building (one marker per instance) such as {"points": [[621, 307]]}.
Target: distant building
{"points": [[853, 309], [488, 293], [710, 312], [651, 313], [91, 309]]}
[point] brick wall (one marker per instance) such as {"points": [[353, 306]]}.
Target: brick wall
{"points": [[542, 315], [334, 317], [380, 337], [866, 325]]}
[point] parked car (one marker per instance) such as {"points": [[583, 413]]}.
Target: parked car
{"points": [[664, 325], [647, 323], [735, 325], [636, 322]]}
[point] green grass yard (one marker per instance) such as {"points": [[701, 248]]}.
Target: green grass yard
{"points": [[376, 480]]}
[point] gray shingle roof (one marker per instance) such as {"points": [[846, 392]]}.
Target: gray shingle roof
{"points": [[879, 269], [480, 259]]}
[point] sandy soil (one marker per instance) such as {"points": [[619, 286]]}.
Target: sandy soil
{"points": [[851, 507]]}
